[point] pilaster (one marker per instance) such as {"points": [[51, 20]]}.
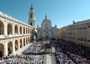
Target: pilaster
{"points": [[5, 28], [5, 49], [13, 47]]}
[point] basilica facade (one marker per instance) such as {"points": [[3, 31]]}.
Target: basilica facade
{"points": [[14, 34], [46, 31]]}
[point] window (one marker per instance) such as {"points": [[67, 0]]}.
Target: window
{"points": [[84, 28], [31, 23], [31, 16]]}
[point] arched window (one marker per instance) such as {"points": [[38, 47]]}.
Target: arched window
{"points": [[23, 30], [24, 41], [1, 50], [30, 15], [16, 45], [10, 47], [1, 28], [31, 24], [20, 30], [20, 43], [9, 29], [16, 29]]}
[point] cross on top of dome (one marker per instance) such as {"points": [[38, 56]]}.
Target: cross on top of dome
{"points": [[45, 16]]}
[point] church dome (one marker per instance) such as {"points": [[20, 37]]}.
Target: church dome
{"points": [[46, 22]]}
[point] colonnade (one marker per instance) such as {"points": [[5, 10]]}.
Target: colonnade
{"points": [[8, 28], [10, 46], [14, 34]]}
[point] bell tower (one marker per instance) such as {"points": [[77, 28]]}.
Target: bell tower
{"points": [[32, 18]]}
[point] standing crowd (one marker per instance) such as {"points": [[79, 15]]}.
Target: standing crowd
{"points": [[25, 58], [63, 58], [35, 48], [79, 54]]}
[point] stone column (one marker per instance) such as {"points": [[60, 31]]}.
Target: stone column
{"points": [[13, 32], [25, 41], [13, 47], [5, 49], [18, 44], [22, 30], [5, 28], [18, 29]]}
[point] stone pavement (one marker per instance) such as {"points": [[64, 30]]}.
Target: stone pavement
{"points": [[49, 59], [19, 52]]}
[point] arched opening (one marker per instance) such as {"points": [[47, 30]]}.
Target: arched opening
{"points": [[31, 24], [16, 45], [20, 43], [24, 41], [29, 30], [16, 29], [1, 28], [1, 50], [10, 47], [28, 39], [23, 30], [20, 30], [26, 30], [9, 29]]}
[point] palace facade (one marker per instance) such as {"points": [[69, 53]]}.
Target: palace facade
{"points": [[14, 34], [78, 32]]}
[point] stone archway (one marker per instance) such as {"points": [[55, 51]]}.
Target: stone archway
{"points": [[26, 30], [1, 50], [16, 29], [1, 28], [10, 47], [9, 29], [23, 30], [16, 45], [28, 39], [20, 43], [24, 42], [20, 30]]}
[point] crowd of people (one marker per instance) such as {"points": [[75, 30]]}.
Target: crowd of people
{"points": [[63, 58], [69, 54], [26, 58], [23, 59], [79, 54], [35, 48]]}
